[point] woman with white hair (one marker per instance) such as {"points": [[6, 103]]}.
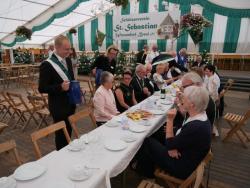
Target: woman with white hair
{"points": [[158, 79], [104, 100], [181, 153]]}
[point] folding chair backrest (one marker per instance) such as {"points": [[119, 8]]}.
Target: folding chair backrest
{"points": [[73, 119], [228, 85], [197, 176], [37, 101], [246, 116], [6, 98], [2, 127], [35, 136], [10, 146], [2, 99], [16, 99]]}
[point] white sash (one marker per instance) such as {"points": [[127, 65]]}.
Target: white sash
{"points": [[58, 70]]}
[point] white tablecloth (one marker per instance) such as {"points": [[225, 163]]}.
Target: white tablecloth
{"points": [[109, 163]]}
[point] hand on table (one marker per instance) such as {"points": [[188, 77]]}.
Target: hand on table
{"points": [[65, 85]]}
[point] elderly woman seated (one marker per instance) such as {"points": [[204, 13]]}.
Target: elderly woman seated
{"points": [[124, 93], [181, 153], [104, 100], [158, 79]]}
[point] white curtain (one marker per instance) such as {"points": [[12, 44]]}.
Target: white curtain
{"points": [[219, 31], [244, 37], [87, 36]]}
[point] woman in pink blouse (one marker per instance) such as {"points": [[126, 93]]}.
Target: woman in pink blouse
{"points": [[104, 100]]}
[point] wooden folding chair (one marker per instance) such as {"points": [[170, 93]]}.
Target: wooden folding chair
{"points": [[236, 122], [91, 88], [5, 106], [73, 119], [10, 146], [35, 136], [21, 108], [41, 108], [2, 127], [148, 184], [227, 87], [194, 179]]}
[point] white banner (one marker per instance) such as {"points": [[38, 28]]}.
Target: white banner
{"points": [[155, 25]]}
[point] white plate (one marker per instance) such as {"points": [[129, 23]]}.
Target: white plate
{"points": [[7, 182], [76, 145], [112, 124], [117, 119], [137, 128], [29, 171], [157, 112], [60, 184], [115, 145], [166, 102], [144, 122], [129, 138], [80, 173]]}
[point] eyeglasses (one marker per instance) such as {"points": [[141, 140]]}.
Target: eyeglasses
{"points": [[127, 78], [185, 86]]}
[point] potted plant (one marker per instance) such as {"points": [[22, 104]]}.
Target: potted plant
{"points": [[123, 3], [72, 31], [23, 31]]}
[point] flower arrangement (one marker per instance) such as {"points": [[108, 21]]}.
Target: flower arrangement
{"points": [[123, 3], [73, 31], [194, 25], [23, 31]]}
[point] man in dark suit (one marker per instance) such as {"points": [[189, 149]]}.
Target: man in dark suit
{"points": [[141, 56], [138, 83], [56, 84]]}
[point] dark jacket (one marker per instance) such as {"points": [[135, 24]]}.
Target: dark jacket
{"points": [[138, 89], [102, 62], [50, 83], [141, 57], [196, 64], [193, 143]]}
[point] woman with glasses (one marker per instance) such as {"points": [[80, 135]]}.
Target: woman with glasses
{"points": [[181, 153], [124, 93]]}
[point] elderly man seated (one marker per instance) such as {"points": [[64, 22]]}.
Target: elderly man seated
{"points": [[138, 83], [104, 100], [181, 153]]}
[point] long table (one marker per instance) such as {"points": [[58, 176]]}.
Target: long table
{"points": [[105, 164]]}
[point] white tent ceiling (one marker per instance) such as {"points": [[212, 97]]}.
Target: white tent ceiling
{"points": [[14, 13]]}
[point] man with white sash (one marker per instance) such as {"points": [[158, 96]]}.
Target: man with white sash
{"points": [[54, 79]]}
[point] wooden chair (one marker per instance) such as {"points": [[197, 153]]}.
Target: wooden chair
{"points": [[35, 136], [194, 179], [41, 108], [227, 86], [148, 184], [2, 127], [236, 122], [91, 88], [73, 119], [10, 146], [21, 108], [5, 106]]}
